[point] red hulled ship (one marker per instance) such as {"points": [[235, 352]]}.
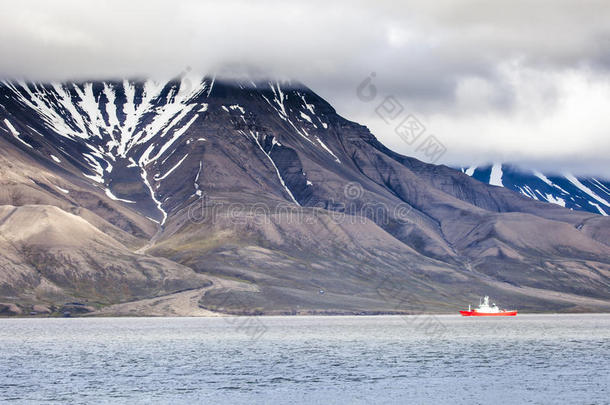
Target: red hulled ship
{"points": [[485, 309]]}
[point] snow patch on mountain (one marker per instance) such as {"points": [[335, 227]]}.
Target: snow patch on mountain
{"points": [[547, 181], [115, 198], [555, 200], [15, 133], [470, 170], [326, 148], [600, 209], [495, 178], [586, 189], [277, 171], [198, 191]]}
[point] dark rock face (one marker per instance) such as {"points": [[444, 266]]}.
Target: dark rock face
{"points": [[76, 308], [264, 184]]}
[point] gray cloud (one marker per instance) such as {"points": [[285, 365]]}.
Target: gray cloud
{"points": [[510, 81]]}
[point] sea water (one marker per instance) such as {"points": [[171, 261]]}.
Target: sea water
{"points": [[300, 360]]}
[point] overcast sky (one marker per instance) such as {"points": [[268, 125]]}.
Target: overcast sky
{"points": [[527, 82]]}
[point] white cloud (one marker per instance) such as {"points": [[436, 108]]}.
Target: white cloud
{"points": [[558, 122], [517, 81]]}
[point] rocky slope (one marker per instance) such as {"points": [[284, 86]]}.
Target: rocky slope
{"points": [[259, 198]]}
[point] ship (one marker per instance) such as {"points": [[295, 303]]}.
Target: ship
{"points": [[485, 309]]}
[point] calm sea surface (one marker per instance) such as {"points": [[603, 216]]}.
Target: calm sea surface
{"points": [[544, 359]]}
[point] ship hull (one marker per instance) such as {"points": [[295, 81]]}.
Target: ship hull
{"points": [[475, 313]]}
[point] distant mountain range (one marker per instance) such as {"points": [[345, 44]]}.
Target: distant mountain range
{"points": [[198, 195], [578, 193]]}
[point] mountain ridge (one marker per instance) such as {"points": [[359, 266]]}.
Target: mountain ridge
{"points": [[583, 193], [301, 210]]}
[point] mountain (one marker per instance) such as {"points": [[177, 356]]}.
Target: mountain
{"points": [[196, 196], [577, 193]]}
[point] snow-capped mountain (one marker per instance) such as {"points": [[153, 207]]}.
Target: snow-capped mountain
{"points": [[252, 197], [578, 193], [117, 132], [109, 130]]}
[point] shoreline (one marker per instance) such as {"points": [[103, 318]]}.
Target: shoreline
{"points": [[318, 315]]}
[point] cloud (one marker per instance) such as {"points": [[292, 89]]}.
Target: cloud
{"points": [[511, 82], [558, 121]]}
